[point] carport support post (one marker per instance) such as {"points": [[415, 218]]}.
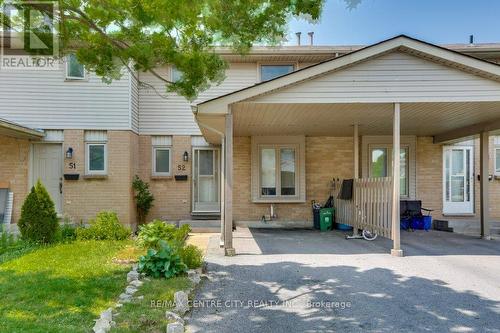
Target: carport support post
{"points": [[228, 188], [484, 164], [355, 230], [396, 248], [222, 188]]}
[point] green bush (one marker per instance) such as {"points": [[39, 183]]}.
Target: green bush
{"points": [[67, 233], [38, 222], [192, 256], [152, 233], [143, 198], [164, 262], [105, 226]]}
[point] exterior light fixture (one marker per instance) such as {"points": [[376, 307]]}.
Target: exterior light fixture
{"points": [[69, 153], [185, 156]]}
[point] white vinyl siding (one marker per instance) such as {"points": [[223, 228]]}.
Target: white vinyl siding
{"points": [[391, 77], [44, 99], [169, 113]]}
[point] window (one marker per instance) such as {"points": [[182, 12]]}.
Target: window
{"points": [[278, 181], [269, 72], [381, 162], [96, 159], [161, 161], [497, 160], [74, 70], [176, 74], [96, 153]]}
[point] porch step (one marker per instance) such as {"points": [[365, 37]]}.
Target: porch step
{"points": [[473, 227], [202, 225]]}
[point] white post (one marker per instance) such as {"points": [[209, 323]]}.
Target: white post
{"points": [[356, 151], [355, 227], [222, 188], [396, 248], [485, 184], [228, 192]]}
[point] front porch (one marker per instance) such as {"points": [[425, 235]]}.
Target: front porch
{"points": [[276, 136]]}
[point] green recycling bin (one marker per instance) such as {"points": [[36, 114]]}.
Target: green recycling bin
{"points": [[326, 219]]}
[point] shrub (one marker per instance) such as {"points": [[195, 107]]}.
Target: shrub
{"points": [[105, 226], [192, 256], [143, 198], [67, 233], [164, 262], [152, 233], [38, 222]]}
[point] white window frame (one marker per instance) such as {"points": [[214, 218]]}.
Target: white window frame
{"points": [[259, 68], [172, 69], [87, 159], [390, 156], [277, 143], [153, 164], [497, 167], [68, 77]]}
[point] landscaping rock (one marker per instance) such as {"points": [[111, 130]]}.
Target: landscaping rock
{"points": [[107, 315], [135, 283], [101, 326], [125, 298], [175, 328], [130, 290], [132, 275], [181, 302], [172, 316], [194, 276]]}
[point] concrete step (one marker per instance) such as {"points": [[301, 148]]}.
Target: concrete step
{"points": [[202, 225]]}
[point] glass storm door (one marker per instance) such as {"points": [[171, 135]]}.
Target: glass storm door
{"points": [[458, 180], [206, 197]]}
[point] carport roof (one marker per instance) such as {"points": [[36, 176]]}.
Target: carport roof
{"points": [[12, 129], [405, 43]]}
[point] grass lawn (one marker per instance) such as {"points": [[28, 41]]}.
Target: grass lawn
{"points": [[60, 288], [140, 315]]}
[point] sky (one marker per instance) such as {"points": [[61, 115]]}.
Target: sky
{"points": [[435, 21]]}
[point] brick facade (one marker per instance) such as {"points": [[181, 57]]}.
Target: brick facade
{"points": [[84, 198], [172, 198], [14, 169]]}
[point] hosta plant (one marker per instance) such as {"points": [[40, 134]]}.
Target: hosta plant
{"points": [[162, 262]]}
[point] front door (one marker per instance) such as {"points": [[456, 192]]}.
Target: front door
{"points": [[206, 197], [458, 180], [47, 166]]}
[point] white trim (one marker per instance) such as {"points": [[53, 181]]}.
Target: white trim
{"points": [[277, 142], [496, 151], [450, 208], [217, 174], [87, 159], [153, 159], [294, 64], [73, 78]]}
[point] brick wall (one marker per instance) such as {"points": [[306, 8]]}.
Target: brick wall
{"points": [[84, 198], [172, 198], [326, 158], [14, 166]]}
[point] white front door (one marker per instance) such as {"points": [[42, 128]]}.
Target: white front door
{"points": [[458, 180], [47, 166], [206, 197]]}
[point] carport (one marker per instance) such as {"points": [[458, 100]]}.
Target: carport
{"points": [[401, 86]]}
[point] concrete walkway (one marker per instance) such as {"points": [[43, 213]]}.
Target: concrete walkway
{"points": [[307, 281]]}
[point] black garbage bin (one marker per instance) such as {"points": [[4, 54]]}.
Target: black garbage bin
{"points": [[316, 217]]}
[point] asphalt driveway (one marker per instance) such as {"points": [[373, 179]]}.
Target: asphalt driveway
{"points": [[307, 281]]}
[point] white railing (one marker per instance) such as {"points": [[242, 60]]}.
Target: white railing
{"points": [[370, 207]]}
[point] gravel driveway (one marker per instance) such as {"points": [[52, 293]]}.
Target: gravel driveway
{"points": [[307, 281]]}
